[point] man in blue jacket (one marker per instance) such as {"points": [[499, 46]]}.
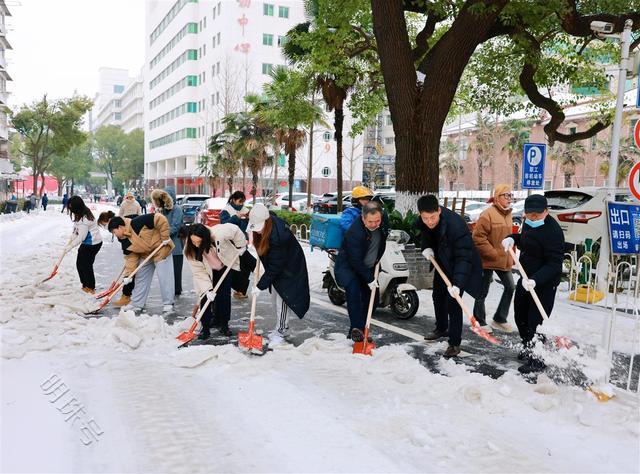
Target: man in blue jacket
{"points": [[362, 247], [446, 237]]}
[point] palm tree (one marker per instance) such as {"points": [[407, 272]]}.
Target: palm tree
{"points": [[221, 152], [519, 133], [627, 157], [568, 156], [483, 144], [208, 168], [449, 163]]}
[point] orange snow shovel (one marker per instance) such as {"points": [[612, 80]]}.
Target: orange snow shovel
{"points": [[186, 337], [250, 340], [111, 286], [107, 300], [561, 341], [475, 327], [54, 272], [365, 347]]}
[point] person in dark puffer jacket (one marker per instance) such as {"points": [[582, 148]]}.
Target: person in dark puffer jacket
{"points": [[283, 268], [541, 244], [446, 237]]}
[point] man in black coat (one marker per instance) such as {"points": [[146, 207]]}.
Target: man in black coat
{"points": [[362, 247], [446, 237], [541, 244]]}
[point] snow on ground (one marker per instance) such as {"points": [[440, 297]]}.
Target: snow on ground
{"points": [[311, 408]]}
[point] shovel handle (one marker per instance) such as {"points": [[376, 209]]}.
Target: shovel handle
{"points": [[458, 298], [534, 295], [372, 300], [254, 299], [215, 290]]}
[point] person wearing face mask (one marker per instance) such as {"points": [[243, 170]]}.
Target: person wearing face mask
{"points": [[446, 237], [362, 248], [541, 245], [493, 226]]}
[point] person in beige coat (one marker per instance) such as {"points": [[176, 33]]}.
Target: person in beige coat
{"points": [[209, 251], [129, 207], [494, 224], [139, 237]]}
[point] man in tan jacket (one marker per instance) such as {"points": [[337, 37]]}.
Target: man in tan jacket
{"points": [[139, 237], [494, 224]]}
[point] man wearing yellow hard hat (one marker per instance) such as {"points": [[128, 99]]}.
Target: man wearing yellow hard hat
{"points": [[360, 196]]}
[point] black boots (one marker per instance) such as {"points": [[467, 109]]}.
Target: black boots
{"points": [[435, 335], [204, 334]]}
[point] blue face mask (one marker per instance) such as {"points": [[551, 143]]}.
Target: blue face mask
{"points": [[534, 224]]}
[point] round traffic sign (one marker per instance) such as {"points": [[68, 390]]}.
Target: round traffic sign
{"points": [[636, 133], [634, 180]]}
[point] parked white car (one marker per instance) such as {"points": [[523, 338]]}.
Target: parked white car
{"points": [[299, 202], [582, 212]]}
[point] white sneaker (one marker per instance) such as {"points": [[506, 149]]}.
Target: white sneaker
{"points": [[486, 328], [504, 327], [276, 339], [167, 308], [130, 307]]}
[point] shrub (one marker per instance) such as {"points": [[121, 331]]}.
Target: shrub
{"points": [[292, 218]]}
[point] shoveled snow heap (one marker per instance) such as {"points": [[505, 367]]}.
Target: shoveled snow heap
{"points": [[313, 408]]}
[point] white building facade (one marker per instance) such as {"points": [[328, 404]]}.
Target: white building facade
{"points": [[4, 77], [202, 58], [119, 100]]}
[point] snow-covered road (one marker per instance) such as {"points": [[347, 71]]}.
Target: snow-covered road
{"points": [[311, 408]]}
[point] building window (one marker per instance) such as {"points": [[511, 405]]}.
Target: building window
{"points": [[118, 89], [213, 42], [572, 130], [117, 103], [594, 141], [326, 171], [219, 8], [389, 122], [567, 180], [204, 49], [117, 116], [547, 184], [217, 98], [267, 39], [218, 36], [204, 78], [267, 68], [205, 21], [214, 13], [192, 80], [192, 54], [389, 140], [192, 107], [191, 133], [267, 9], [218, 68], [283, 12], [282, 40], [192, 28], [326, 136]]}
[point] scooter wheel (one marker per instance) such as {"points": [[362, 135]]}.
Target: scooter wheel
{"points": [[405, 305], [336, 295]]}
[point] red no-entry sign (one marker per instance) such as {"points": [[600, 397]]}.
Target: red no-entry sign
{"points": [[634, 179]]}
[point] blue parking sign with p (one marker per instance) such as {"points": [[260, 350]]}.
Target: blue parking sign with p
{"points": [[533, 157]]}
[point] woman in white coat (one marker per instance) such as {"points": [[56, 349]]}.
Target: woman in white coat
{"points": [[86, 236], [209, 251]]}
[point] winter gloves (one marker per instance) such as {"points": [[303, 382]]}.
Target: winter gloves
{"points": [[454, 291], [507, 243], [127, 280], [166, 242], [528, 284], [428, 253], [373, 285]]}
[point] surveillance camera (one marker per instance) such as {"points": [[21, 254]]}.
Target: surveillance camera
{"points": [[602, 27]]}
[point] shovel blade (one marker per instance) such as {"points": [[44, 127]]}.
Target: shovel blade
{"points": [[53, 273], [102, 305], [107, 291], [363, 347], [563, 342], [188, 336], [485, 335], [249, 340]]}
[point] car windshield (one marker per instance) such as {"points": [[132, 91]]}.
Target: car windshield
{"points": [[566, 199]]}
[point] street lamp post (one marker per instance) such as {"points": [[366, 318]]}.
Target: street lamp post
{"points": [[612, 179]]}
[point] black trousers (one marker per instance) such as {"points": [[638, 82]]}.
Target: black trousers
{"points": [[84, 264], [358, 295], [448, 311], [240, 279], [219, 311], [177, 274], [526, 313]]}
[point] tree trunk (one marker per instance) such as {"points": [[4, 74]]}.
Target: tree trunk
{"points": [[41, 186], [72, 186], [419, 110], [480, 176], [292, 172], [310, 166], [339, 124], [275, 175], [254, 184]]}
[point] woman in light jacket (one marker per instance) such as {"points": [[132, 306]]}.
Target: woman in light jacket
{"points": [[129, 207], [164, 201], [86, 234], [209, 251]]}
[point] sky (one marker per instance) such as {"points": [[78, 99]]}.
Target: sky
{"points": [[59, 45]]}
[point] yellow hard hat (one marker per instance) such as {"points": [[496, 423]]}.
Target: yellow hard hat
{"points": [[360, 192]]}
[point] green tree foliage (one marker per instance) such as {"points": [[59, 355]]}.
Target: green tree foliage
{"points": [[336, 49], [48, 129], [73, 166], [490, 53], [628, 155], [120, 155], [518, 133], [221, 159]]}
